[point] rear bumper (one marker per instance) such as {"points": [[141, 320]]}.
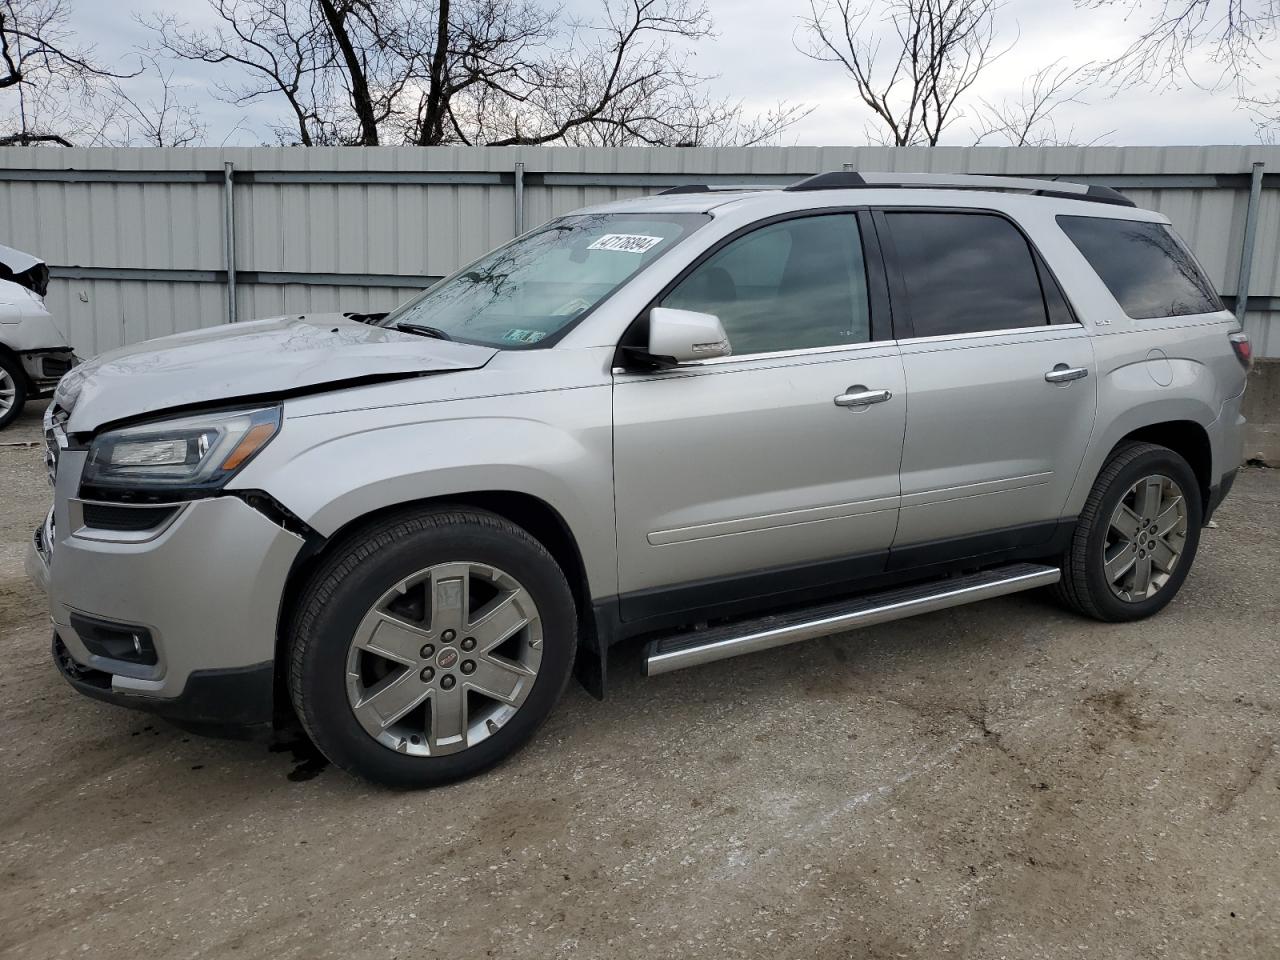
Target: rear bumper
{"points": [[1218, 492]]}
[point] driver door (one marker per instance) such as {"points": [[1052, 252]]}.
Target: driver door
{"points": [[776, 468]]}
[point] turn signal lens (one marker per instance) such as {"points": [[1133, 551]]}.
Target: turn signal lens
{"points": [[253, 441]]}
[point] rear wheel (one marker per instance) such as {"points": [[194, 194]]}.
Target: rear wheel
{"points": [[13, 389], [431, 646], [1136, 538]]}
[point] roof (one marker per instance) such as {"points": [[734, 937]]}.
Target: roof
{"points": [[875, 188]]}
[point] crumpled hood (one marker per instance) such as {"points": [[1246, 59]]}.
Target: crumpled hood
{"points": [[24, 269], [237, 362]]}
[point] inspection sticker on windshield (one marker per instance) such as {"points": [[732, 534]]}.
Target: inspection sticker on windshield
{"points": [[626, 242], [524, 336]]}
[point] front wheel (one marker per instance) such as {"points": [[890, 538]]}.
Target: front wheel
{"points": [[13, 389], [1136, 538], [431, 646]]}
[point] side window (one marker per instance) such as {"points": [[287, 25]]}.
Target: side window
{"points": [[966, 272], [1146, 268], [788, 286]]}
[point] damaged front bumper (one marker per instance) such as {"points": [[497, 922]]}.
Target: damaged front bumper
{"points": [[44, 368], [199, 597]]}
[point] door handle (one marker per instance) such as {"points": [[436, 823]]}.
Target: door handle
{"points": [[861, 397], [1061, 373]]}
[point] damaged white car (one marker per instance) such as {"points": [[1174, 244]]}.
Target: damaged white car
{"points": [[34, 353]]}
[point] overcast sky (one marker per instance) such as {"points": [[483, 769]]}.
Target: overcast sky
{"points": [[755, 59]]}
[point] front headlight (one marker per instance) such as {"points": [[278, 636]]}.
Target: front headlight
{"points": [[191, 455]]}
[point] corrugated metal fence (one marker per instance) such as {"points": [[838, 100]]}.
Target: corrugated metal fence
{"points": [[139, 246]]}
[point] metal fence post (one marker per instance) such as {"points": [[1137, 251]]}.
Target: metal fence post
{"points": [[519, 198], [229, 229], [1246, 248]]}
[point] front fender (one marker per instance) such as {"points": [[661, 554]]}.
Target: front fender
{"points": [[332, 469]]}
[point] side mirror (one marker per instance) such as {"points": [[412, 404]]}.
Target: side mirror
{"points": [[676, 336]]}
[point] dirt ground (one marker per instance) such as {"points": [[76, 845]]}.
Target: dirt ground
{"points": [[1004, 780]]}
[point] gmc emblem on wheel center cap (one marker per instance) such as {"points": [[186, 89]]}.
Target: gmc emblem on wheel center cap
{"points": [[448, 658]]}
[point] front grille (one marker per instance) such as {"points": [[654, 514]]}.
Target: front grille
{"points": [[110, 516]]}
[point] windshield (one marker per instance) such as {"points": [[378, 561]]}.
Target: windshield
{"points": [[524, 294]]}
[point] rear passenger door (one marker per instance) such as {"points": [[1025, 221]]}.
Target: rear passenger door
{"points": [[1001, 383]]}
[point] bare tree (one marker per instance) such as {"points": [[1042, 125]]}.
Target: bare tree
{"points": [[470, 71], [163, 120], [481, 57], [51, 86], [1028, 120], [616, 79], [279, 46], [913, 84]]}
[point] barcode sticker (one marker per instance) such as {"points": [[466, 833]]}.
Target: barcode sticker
{"points": [[626, 242]]}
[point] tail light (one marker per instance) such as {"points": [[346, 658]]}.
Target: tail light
{"points": [[1243, 348]]}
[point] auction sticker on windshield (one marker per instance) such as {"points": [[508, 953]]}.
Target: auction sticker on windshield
{"points": [[524, 336], [626, 242]]}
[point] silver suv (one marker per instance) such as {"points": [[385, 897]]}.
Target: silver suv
{"points": [[720, 420]]}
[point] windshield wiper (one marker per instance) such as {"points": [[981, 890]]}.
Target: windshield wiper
{"points": [[423, 330]]}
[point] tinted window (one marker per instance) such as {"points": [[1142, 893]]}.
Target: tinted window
{"points": [[791, 285], [1146, 268], [966, 272]]}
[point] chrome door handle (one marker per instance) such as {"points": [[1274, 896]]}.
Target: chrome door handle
{"points": [[1061, 373], [862, 397]]}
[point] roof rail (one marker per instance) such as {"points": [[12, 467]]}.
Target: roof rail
{"points": [[1048, 187], [707, 188]]}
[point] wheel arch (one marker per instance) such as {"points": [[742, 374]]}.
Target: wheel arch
{"points": [[1186, 438], [9, 353], [1180, 423], [533, 514]]}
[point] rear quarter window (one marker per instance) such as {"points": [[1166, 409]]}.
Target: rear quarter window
{"points": [[1149, 271]]}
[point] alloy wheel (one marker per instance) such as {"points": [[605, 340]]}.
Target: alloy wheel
{"points": [[444, 659], [1145, 539], [8, 392]]}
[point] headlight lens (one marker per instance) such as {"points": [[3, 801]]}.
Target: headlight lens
{"points": [[195, 453]]}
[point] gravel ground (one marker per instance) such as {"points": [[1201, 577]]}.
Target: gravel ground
{"points": [[1000, 780]]}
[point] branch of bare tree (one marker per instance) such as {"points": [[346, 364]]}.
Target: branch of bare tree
{"points": [[913, 84], [53, 81], [471, 71], [1028, 119], [1232, 32]]}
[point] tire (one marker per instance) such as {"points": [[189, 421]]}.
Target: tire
{"points": [[1115, 592], [13, 389], [356, 628]]}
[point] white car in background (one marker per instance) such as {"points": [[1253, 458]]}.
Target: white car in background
{"points": [[34, 353]]}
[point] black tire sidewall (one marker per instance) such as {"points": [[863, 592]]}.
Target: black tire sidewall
{"points": [[322, 683], [14, 369], [1155, 462]]}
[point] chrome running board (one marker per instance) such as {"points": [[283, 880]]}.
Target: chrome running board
{"points": [[731, 640]]}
